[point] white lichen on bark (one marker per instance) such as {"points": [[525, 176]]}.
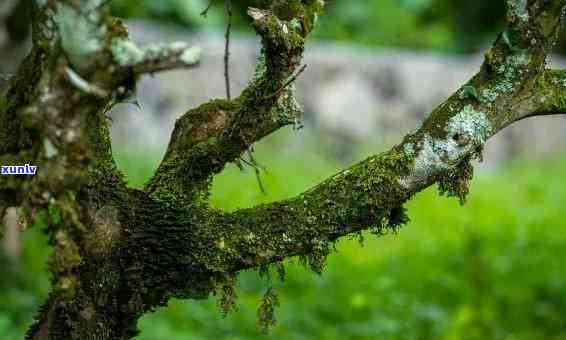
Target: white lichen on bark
{"points": [[191, 55], [465, 131], [80, 33]]}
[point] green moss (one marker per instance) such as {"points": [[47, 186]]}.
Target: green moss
{"points": [[397, 218], [318, 254], [228, 296], [55, 214], [552, 87], [456, 182], [287, 9], [266, 311], [67, 286]]}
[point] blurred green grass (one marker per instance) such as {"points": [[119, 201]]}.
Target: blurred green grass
{"points": [[492, 269]]}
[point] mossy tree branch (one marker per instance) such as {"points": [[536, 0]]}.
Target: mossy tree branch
{"points": [[121, 252], [512, 85], [205, 139]]}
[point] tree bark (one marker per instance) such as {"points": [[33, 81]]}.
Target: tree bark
{"points": [[121, 252]]}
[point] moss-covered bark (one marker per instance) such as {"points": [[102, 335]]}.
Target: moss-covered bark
{"points": [[121, 252]]}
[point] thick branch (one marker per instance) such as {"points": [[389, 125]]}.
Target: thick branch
{"points": [[370, 195], [207, 138], [511, 85]]}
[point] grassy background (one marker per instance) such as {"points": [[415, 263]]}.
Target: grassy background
{"points": [[492, 269]]}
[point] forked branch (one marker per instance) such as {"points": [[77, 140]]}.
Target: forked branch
{"points": [[205, 139]]}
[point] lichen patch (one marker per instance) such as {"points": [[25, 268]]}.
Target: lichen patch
{"points": [[80, 35], [465, 132]]}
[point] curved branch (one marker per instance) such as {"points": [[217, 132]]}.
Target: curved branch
{"points": [[205, 139]]}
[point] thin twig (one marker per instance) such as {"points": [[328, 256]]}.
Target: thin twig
{"points": [[227, 48], [290, 81], [254, 161], [258, 168], [204, 13], [294, 77], [259, 181]]}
